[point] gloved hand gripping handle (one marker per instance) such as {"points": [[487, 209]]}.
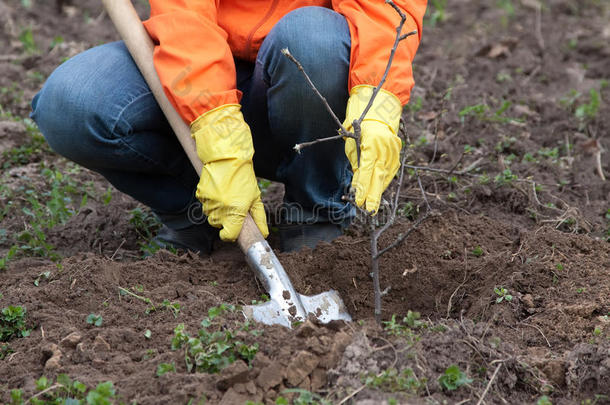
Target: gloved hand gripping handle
{"points": [[140, 46]]}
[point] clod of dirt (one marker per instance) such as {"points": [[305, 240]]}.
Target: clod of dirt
{"points": [[53, 355], [589, 368], [270, 376], [233, 397], [71, 340], [236, 373], [100, 344], [300, 367]]}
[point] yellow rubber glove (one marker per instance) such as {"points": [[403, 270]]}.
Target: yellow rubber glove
{"points": [[379, 145], [227, 188]]}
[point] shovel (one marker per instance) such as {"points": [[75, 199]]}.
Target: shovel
{"points": [[285, 306]]}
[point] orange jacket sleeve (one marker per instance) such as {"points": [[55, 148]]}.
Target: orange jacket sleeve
{"points": [[372, 26], [194, 84]]}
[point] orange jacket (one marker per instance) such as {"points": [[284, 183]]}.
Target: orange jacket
{"points": [[196, 40]]}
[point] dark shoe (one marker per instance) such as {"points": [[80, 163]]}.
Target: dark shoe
{"points": [[188, 230], [294, 237], [197, 238]]}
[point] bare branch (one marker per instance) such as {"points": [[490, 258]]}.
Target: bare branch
{"points": [[299, 146], [401, 238], [392, 219]]}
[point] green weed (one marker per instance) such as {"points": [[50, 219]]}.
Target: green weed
{"points": [[544, 400], [585, 111], [12, 323], [146, 225], [391, 380], [164, 368], [435, 13], [32, 150], [589, 110], [214, 347], [95, 320], [478, 251], [506, 178], [406, 328], [27, 40], [305, 398], [65, 391], [5, 350], [173, 307], [483, 112], [453, 378], [502, 294], [44, 210]]}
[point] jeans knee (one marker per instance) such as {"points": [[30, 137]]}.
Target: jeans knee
{"points": [[79, 105], [49, 110], [318, 37]]}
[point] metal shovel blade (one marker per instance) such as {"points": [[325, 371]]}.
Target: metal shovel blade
{"points": [[326, 307], [286, 306]]}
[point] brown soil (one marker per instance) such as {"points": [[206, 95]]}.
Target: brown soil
{"points": [[548, 248]]}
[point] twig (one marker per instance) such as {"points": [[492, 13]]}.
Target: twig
{"points": [[493, 377], [539, 330], [456, 164], [344, 133], [443, 171], [51, 388], [299, 146], [401, 238], [598, 164], [117, 249], [347, 398], [539, 37]]}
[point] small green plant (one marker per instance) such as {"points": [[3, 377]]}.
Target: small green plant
{"points": [[391, 380], [405, 329], [27, 40], [164, 368], [509, 10], [589, 110], [146, 225], [549, 153], [173, 307], [95, 320], [12, 323], [435, 12], [505, 178], [483, 112], [45, 209], [65, 391], [502, 294], [477, 251], [544, 400], [214, 347], [305, 398], [5, 350], [41, 277], [453, 378]]}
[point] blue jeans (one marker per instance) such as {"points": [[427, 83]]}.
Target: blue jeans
{"points": [[97, 110]]}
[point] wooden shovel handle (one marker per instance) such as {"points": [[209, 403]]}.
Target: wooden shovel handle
{"points": [[140, 46]]}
